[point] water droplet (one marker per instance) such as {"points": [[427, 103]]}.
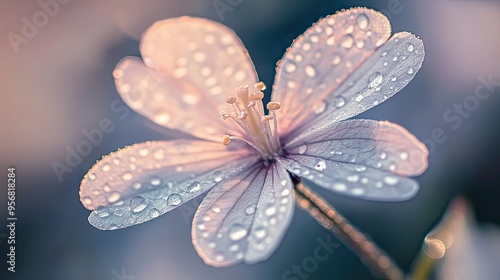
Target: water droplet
{"points": [[375, 80], [127, 176], [138, 204], [216, 209], [237, 232], [410, 47], [360, 44], [384, 53], [194, 187], [155, 181], [102, 212], [336, 59], [234, 248], [87, 200], [383, 155], [284, 182], [270, 211], [174, 199], [358, 97], [410, 71], [391, 180], [217, 176], [339, 101], [357, 191], [159, 154], [347, 41], [330, 41], [341, 187], [260, 233], [113, 227], [364, 180], [219, 258], [403, 156], [393, 78], [362, 21], [114, 197], [153, 213], [392, 167], [250, 210], [106, 188], [319, 107], [199, 56], [310, 71], [136, 185], [320, 166], [353, 178], [302, 149], [306, 47], [314, 39], [290, 67], [190, 98]]}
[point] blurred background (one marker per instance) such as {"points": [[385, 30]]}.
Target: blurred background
{"points": [[56, 83]]}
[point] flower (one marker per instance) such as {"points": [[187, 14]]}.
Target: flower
{"points": [[198, 78]]}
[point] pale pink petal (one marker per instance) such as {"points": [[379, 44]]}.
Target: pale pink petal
{"points": [[171, 102], [142, 181], [320, 60], [244, 218], [201, 62], [362, 158]]}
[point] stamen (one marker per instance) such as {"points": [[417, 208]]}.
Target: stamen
{"points": [[226, 140], [230, 99], [257, 95], [266, 118], [260, 86], [273, 105], [224, 115], [243, 115]]}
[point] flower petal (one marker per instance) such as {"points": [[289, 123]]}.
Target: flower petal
{"points": [[320, 60], [200, 62], [142, 181], [362, 158], [244, 218]]}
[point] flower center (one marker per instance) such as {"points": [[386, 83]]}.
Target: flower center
{"points": [[247, 110]]}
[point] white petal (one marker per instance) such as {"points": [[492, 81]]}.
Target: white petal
{"points": [[320, 60], [199, 63], [141, 182], [245, 218], [361, 158]]}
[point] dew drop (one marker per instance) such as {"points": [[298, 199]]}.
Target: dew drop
{"points": [[237, 232], [114, 197], [285, 192], [138, 204], [320, 166], [290, 67], [330, 41], [360, 168], [310, 71], [339, 187], [362, 21], [319, 107], [410, 47], [302, 149], [127, 176], [306, 47], [270, 211], [102, 213], [347, 41], [410, 71], [353, 178], [136, 185], [153, 213], [391, 180], [159, 154], [87, 200], [393, 78], [174, 199], [336, 59], [250, 210], [358, 97], [403, 156], [260, 233], [217, 176], [155, 181], [234, 248], [375, 80], [339, 101], [194, 187], [216, 209], [284, 182], [199, 56], [357, 191]]}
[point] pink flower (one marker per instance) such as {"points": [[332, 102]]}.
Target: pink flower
{"points": [[198, 78]]}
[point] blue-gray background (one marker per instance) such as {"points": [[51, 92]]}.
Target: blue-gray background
{"points": [[58, 83]]}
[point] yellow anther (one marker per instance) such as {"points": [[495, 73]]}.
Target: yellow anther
{"points": [[266, 118], [256, 96], [226, 140], [260, 86], [230, 99], [273, 105]]}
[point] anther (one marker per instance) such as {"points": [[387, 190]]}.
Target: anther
{"points": [[230, 99], [260, 86], [251, 104], [224, 115], [273, 105], [256, 96], [226, 140], [243, 114]]}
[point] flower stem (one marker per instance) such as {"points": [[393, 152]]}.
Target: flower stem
{"points": [[371, 255]]}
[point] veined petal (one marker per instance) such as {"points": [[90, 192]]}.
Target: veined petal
{"points": [[361, 158], [320, 60], [143, 181], [244, 218]]}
